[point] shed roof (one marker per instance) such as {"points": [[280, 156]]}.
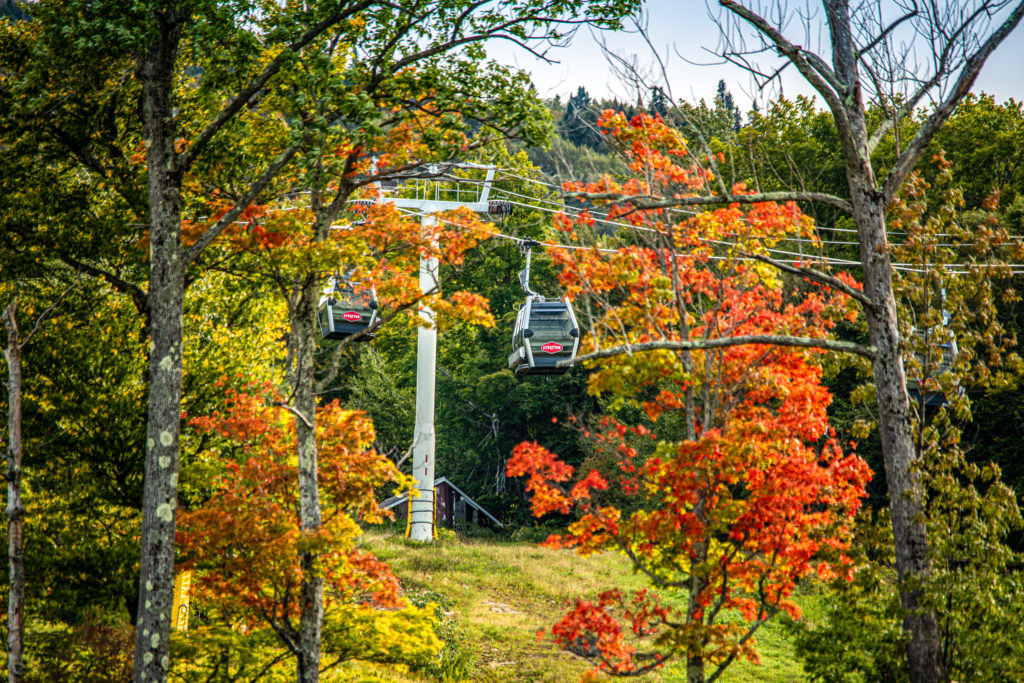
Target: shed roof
{"points": [[398, 500]]}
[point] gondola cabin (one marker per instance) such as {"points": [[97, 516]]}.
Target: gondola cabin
{"points": [[919, 394], [545, 334], [344, 311]]}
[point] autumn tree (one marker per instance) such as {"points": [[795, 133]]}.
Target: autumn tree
{"points": [[957, 348], [247, 546], [896, 61], [440, 103], [737, 488], [383, 250]]}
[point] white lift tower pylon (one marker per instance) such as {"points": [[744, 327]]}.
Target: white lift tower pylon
{"points": [[428, 192]]}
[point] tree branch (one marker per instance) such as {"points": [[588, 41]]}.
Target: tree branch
{"points": [[723, 342], [645, 202], [295, 412], [816, 276], [46, 314], [184, 161], [931, 126], [813, 68], [139, 296], [886, 31], [193, 252]]}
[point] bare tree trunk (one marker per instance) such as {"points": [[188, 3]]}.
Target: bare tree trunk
{"points": [[906, 494], [303, 343], [15, 507], [166, 302]]}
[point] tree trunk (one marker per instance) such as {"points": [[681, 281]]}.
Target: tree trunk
{"points": [[695, 661], [906, 493], [303, 341], [15, 507], [166, 301]]}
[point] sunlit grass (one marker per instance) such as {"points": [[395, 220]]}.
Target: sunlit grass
{"points": [[502, 593]]}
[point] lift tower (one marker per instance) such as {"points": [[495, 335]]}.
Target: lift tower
{"points": [[428, 192]]}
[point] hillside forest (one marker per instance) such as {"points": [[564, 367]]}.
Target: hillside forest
{"points": [[795, 376]]}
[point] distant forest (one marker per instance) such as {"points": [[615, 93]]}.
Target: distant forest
{"points": [[580, 152]]}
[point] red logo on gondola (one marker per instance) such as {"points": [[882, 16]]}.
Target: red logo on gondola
{"points": [[551, 347], [351, 316]]}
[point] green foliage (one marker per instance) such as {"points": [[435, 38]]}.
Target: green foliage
{"points": [[974, 586], [383, 392], [456, 661], [982, 141], [565, 160], [98, 649], [858, 637], [792, 144], [209, 651], [579, 123]]}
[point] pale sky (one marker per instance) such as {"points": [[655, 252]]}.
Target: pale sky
{"points": [[681, 30]]}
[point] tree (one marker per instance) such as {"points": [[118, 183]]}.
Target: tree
{"points": [[738, 488], [873, 64], [247, 547], [386, 247], [579, 123], [15, 508], [972, 515], [867, 66], [723, 100], [977, 141], [193, 91]]}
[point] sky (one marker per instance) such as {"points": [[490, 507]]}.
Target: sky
{"points": [[683, 33]]}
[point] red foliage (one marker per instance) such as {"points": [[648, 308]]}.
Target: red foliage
{"points": [[735, 488]]}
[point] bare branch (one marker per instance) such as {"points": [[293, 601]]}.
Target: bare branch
{"points": [[724, 342], [811, 66], [816, 276], [931, 126], [886, 31], [646, 202], [295, 412]]}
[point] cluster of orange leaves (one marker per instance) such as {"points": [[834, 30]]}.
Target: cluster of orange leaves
{"points": [[244, 542], [379, 247], [763, 495]]}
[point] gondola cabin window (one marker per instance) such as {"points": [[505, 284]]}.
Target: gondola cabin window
{"points": [[551, 324]]}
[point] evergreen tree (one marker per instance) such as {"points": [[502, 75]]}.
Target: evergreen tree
{"points": [[724, 101], [579, 124]]}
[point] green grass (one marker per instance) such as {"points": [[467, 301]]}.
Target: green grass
{"points": [[499, 594]]}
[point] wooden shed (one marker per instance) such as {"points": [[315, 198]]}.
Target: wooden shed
{"points": [[453, 508]]}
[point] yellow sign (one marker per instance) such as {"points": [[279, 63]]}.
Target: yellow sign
{"points": [[179, 608]]}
